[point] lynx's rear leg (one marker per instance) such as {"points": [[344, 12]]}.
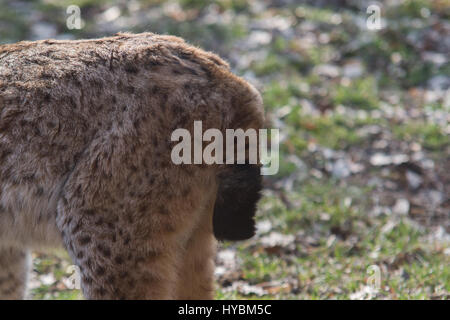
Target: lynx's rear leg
{"points": [[124, 250], [142, 249], [126, 223], [196, 274], [14, 267], [117, 261]]}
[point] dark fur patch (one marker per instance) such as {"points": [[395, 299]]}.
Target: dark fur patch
{"points": [[235, 207]]}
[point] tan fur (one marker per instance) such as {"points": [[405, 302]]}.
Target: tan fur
{"points": [[85, 148]]}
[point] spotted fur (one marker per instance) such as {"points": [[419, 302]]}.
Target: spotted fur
{"points": [[85, 163]]}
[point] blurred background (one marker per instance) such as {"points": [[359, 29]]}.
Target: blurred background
{"points": [[360, 208]]}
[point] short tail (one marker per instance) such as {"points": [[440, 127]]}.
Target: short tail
{"points": [[239, 191], [240, 184]]}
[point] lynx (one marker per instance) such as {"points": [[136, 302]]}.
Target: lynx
{"points": [[85, 147]]}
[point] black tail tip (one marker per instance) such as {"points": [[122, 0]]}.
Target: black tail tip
{"points": [[239, 192]]}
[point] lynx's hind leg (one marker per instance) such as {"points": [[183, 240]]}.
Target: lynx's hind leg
{"points": [[127, 223], [196, 274], [14, 267], [116, 264], [131, 253], [124, 249]]}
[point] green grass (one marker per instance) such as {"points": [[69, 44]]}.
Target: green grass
{"points": [[429, 135], [410, 268], [359, 94]]}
